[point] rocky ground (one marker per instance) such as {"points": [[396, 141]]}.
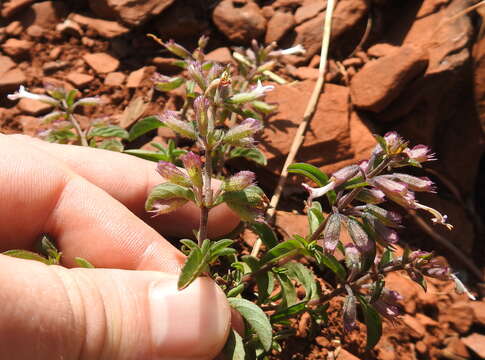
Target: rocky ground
{"points": [[417, 67]]}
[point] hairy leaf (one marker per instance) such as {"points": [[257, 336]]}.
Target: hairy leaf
{"points": [[112, 145], [256, 318], [27, 255], [234, 348], [252, 154], [83, 263], [288, 313], [372, 321], [266, 234], [287, 248], [108, 131], [299, 272], [315, 216], [143, 126], [196, 264]]}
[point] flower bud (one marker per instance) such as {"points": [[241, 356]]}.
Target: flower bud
{"points": [[203, 41], [167, 197], [201, 105], [359, 235], [387, 217], [177, 49], [420, 153], [172, 173], [166, 83], [172, 120], [255, 93], [242, 134], [331, 233], [371, 196], [395, 144], [350, 313], [193, 165], [239, 181], [396, 191], [195, 72], [414, 183], [345, 174]]}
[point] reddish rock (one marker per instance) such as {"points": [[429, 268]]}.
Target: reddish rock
{"points": [[15, 28], [287, 3], [416, 329], [69, 28], [115, 79], [331, 134], [6, 64], [478, 308], [476, 342], [45, 14], [381, 81], [101, 62], [30, 124], [459, 315], [305, 73], [79, 80], [381, 49], [455, 349], [479, 79], [308, 10], [35, 31], [135, 78], [10, 7], [345, 355], [17, 48], [55, 52], [290, 224], [33, 107], [11, 80], [183, 20], [239, 20], [105, 28], [166, 65], [347, 14], [53, 66], [221, 55], [279, 24], [132, 13], [267, 11]]}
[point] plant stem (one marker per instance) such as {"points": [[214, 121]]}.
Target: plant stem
{"points": [[79, 131], [207, 195], [358, 282], [267, 267]]}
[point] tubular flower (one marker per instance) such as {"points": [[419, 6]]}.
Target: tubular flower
{"points": [[22, 93], [396, 191], [438, 217], [420, 153], [193, 165]]}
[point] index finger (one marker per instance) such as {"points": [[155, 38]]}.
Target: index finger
{"points": [[129, 180]]}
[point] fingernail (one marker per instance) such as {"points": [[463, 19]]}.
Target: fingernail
{"points": [[188, 324]]}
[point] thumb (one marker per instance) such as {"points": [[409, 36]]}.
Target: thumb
{"points": [[50, 312]]}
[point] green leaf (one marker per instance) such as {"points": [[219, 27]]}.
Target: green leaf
{"points": [[288, 313], [263, 107], [112, 145], [249, 203], [173, 83], [332, 263], [147, 155], [314, 174], [299, 272], [234, 348], [83, 263], [266, 234], [108, 131], [143, 126], [315, 216], [27, 255], [166, 192], [70, 97], [196, 264], [386, 259], [382, 142], [287, 248], [60, 136], [53, 255], [256, 318], [252, 154], [288, 291], [235, 291], [372, 321], [264, 281]]}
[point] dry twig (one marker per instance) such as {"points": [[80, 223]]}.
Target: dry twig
{"points": [[307, 116]]}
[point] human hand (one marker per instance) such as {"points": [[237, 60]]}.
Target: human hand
{"points": [[91, 202]]}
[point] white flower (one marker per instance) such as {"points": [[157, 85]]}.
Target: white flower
{"points": [[260, 90], [317, 192], [438, 217], [298, 49], [460, 288], [24, 94]]}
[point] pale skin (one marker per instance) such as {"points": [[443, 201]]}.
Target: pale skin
{"points": [[92, 203]]}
